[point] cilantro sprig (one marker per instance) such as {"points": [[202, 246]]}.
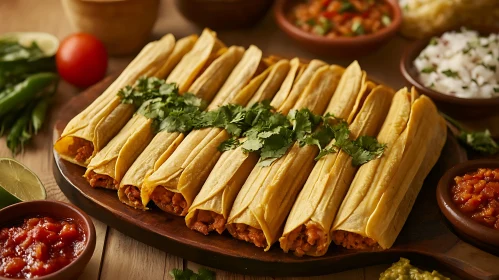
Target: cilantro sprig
{"points": [[265, 131], [481, 141], [187, 274], [161, 101]]}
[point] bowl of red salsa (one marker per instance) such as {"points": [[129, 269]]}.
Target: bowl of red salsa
{"points": [[339, 27], [44, 240], [468, 196]]}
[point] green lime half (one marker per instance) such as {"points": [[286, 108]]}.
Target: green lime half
{"points": [[48, 43], [18, 183]]}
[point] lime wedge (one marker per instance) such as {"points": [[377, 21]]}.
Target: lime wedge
{"points": [[18, 183], [48, 43]]}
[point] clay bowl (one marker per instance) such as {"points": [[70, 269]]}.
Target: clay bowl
{"points": [[335, 47], [459, 108], [480, 235], [124, 26], [60, 210], [224, 14]]}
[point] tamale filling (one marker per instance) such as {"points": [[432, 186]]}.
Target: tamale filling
{"points": [[133, 195], [248, 234], [170, 202], [352, 240], [101, 181], [308, 238], [207, 221], [81, 149]]}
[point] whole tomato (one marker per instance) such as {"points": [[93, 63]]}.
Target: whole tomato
{"points": [[81, 59]]}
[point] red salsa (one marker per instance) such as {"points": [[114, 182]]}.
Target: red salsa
{"points": [[39, 246], [342, 18], [477, 195]]}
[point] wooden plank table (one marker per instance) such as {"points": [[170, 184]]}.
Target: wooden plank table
{"points": [[118, 256]]}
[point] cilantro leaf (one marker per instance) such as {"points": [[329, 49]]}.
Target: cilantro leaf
{"points": [[428, 70], [229, 144], [481, 142], [187, 274], [451, 74]]}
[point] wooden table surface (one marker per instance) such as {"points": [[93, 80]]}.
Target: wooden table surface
{"points": [[118, 256]]}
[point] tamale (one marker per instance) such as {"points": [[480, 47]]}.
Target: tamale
{"points": [[187, 169], [268, 194], [374, 217], [307, 228], [212, 205], [91, 130], [164, 143], [238, 79], [108, 166]]}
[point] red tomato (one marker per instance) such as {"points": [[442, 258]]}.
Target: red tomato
{"points": [[81, 59]]}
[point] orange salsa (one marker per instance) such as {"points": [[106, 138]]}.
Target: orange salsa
{"points": [[342, 18], [477, 195]]}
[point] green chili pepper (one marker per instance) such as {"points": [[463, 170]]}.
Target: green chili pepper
{"points": [[19, 133], [39, 113], [7, 123], [25, 91]]}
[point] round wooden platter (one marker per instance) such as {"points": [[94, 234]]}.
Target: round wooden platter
{"points": [[426, 239]]}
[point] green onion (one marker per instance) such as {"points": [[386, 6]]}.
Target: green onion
{"points": [[345, 7], [433, 41], [357, 28], [428, 70]]}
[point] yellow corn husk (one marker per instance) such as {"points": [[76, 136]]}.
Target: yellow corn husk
{"points": [[164, 143], [227, 177], [104, 118], [187, 169], [381, 213], [269, 192], [329, 180], [116, 158]]}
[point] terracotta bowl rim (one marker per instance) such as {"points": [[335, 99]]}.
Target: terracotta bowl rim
{"points": [[86, 221], [291, 29], [458, 220], [407, 69]]}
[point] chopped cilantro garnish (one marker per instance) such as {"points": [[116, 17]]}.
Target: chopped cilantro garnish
{"points": [[451, 74], [266, 132], [345, 7], [464, 87], [433, 41], [429, 69], [357, 28], [311, 22], [386, 20], [496, 90]]}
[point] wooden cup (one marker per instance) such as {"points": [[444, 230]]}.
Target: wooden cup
{"points": [[124, 26]]}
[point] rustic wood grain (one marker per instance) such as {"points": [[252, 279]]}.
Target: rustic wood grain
{"points": [[47, 16]]}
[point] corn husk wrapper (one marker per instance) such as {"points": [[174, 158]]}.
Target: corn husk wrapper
{"points": [[327, 184], [164, 143], [105, 117], [269, 192], [382, 212], [238, 89], [230, 172], [116, 158]]}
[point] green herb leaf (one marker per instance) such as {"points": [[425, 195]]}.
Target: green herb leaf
{"points": [[187, 274], [311, 22], [11, 50], [496, 90], [346, 6], [229, 144], [357, 28], [428, 70], [386, 20], [433, 41], [481, 142], [451, 74]]}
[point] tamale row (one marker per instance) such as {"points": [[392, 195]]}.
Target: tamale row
{"points": [[303, 204]]}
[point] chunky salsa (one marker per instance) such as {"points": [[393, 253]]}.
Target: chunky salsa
{"points": [[477, 195], [339, 18], [39, 246]]}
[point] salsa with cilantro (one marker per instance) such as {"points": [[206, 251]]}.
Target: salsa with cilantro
{"points": [[342, 18]]}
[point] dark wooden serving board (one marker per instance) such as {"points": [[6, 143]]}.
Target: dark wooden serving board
{"points": [[425, 239]]}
